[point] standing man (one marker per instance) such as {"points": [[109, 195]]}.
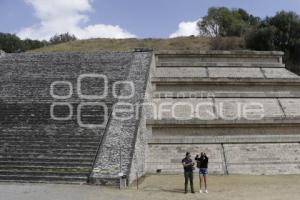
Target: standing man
{"points": [[188, 166], [202, 164]]}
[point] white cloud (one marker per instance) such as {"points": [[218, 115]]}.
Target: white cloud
{"points": [[61, 16], [186, 29]]}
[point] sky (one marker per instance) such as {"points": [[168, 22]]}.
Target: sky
{"points": [[41, 19]]}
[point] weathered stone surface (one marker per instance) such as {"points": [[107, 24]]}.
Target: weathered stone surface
{"points": [[227, 109], [291, 107], [31, 140], [215, 72], [167, 158], [117, 149], [219, 58], [236, 108], [182, 71], [278, 73], [240, 136], [235, 80], [263, 158], [184, 108], [37, 147], [2, 53]]}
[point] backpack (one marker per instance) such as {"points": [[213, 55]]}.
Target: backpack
{"points": [[198, 163]]}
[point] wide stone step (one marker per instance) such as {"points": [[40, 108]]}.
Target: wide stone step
{"points": [[63, 159], [30, 178], [64, 142], [48, 137], [44, 168], [189, 63], [58, 151], [44, 163], [43, 173], [219, 58], [47, 154], [46, 134], [56, 132], [49, 146], [37, 155]]}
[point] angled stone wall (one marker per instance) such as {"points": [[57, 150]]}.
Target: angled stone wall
{"points": [[117, 150]]}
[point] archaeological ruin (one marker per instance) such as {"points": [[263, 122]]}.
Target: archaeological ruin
{"points": [[93, 117]]}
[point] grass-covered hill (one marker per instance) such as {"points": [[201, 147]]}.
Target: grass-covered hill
{"points": [[182, 43]]}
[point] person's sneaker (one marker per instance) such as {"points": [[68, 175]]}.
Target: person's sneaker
{"points": [[200, 191], [193, 192], [206, 191]]}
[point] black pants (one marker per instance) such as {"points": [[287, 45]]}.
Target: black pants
{"points": [[188, 176]]}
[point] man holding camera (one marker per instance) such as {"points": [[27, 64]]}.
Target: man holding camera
{"points": [[188, 166]]}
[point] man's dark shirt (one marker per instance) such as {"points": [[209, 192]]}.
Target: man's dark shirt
{"points": [[190, 167], [203, 161]]}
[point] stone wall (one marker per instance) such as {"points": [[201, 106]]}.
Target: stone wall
{"points": [[254, 159], [141, 150], [117, 149], [222, 84], [166, 158], [263, 159]]}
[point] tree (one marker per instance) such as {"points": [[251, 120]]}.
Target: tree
{"points": [[287, 29], [222, 21], [29, 44], [10, 43], [280, 32], [261, 38], [66, 37]]}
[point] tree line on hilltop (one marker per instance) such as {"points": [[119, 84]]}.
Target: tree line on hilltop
{"points": [[280, 32], [11, 43]]}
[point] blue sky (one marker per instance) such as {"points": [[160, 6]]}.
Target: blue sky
{"points": [[40, 19]]}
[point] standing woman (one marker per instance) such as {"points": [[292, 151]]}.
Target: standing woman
{"points": [[202, 164]]}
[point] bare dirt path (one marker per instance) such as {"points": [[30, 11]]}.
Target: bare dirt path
{"points": [[163, 187]]}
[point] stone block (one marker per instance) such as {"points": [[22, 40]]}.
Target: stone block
{"points": [[167, 158], [234, 72]]}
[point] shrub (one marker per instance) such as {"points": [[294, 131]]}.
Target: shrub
{"points": [[227, 43], [66, 37], [261, 39]]}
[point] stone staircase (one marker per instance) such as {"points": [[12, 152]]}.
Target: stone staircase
{"points": [[27, 155], [35, 147]]}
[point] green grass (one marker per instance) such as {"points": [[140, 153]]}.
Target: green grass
{"points": [[92, 45]]}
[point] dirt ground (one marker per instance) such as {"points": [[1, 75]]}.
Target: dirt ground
{"points": [[163, 187]]}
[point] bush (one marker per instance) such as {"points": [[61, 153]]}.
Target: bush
{"points": [[221, 21], [33, 44], [261, 39], [229, 43], [10, 43], [287, 29], [66, 37], [280, 32]]}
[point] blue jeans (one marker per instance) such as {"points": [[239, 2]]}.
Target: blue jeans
{"points": [[203, 171]]}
